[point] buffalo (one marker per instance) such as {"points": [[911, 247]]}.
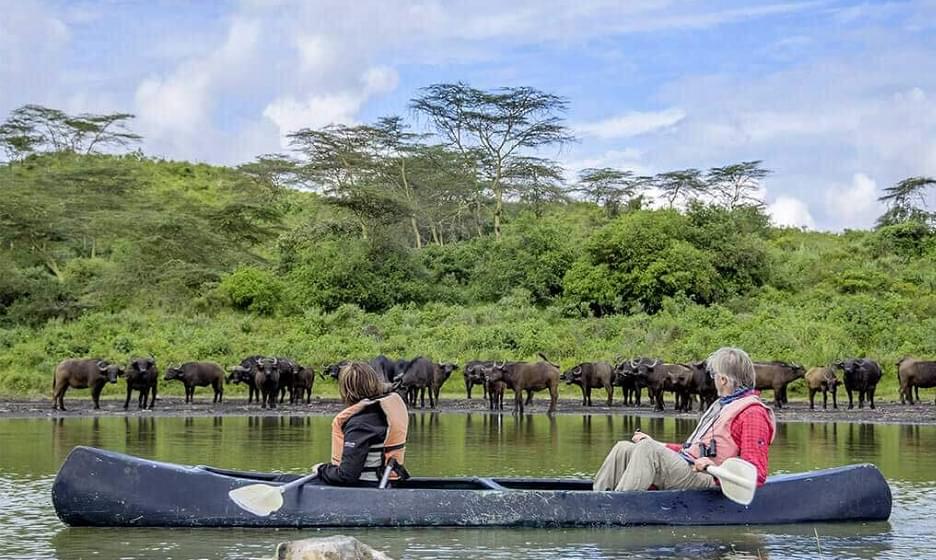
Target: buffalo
{"points": [[332, 370], [589, 375], [142, 376], [244, 373], [198, 374], [702, 384], [914, 374], [822, 379], [524, 376], [658, 378], [860, 375], [302, 385], [267, 378], [386, 368], [417, 376], [776, 376], [474, 375], [440, 373], [81, 374], [624, 378]]}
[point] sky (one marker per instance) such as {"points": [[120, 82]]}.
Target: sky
{"points": [[838, 98]]}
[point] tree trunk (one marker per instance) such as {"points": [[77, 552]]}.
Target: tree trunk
{"points": [[416, 232], [478, 220], [498, 209], [435, 234]]}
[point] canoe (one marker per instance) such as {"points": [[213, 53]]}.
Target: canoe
{"points": [[95, 487]]}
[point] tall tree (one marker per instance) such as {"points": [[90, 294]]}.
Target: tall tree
{"points": [[34, 129], [907, 202], [501, 124], [535, 181], [683, 184], [343, 162], [737, 184], [609, 187]]}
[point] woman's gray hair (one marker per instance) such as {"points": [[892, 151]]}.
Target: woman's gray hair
{"points": [[735, 364]]}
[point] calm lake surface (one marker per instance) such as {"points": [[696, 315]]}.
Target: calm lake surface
{"points": [[31, 451]]}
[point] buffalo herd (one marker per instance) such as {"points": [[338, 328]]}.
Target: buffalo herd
{"points": [[270, 379]]}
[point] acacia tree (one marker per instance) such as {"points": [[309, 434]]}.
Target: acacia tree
{"points": [[685, 184], [34, 129], [501, 124], [535, 181], [343, 162], [737, 184], [907, 202], [610, 187]]}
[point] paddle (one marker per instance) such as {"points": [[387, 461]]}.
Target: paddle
{"points": [[738, 479], [264, 499]]}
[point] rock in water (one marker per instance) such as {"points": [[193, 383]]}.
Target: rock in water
{"points": [[338, 547]]}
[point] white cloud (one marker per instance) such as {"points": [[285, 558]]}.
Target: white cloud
{"points": [[316, 111], [631, 124], [790, 211], [856, 204]]}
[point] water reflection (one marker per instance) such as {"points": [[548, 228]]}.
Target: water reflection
{"points": [[455, 445]]}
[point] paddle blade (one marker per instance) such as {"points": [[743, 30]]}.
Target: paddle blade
{"points": [[738, 480], [259, 499]]}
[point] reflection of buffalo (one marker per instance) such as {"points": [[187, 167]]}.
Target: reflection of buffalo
{"points": [[822, 379], [142, 376], [914, 374], [524, 376], [860, 375], [588, 376], [81, 374], [776, 376], [198, 374]]}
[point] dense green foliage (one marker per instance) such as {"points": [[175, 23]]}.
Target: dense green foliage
{"points": [[123, 255]]}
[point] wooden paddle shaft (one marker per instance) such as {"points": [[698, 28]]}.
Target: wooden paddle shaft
{"points": [[297, 482]]}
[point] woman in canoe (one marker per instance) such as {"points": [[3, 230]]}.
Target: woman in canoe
{"points": [[368, 433], [738, 424]]}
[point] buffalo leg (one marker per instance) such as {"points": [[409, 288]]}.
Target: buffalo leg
{"points": [[468, 385], [871, 397], [96, 395], [610, 390], [152, 397], [529, 399], [554, 397], [58, 396], [129, 394], [584, 396], [518, 401], [850, 404], [778, 397]]}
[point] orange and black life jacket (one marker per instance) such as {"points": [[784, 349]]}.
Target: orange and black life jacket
{"points": [[394, 445]]}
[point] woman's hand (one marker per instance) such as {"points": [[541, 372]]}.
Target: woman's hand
{"points": [[639, 437], [702, 463]]}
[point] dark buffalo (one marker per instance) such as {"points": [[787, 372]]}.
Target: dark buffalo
{"points": [[627, 381], [244, 373], [81, 374], [822, 379], [302, 385], [386, 368], [776, 376], [288, 369], [588, 376], [142, 376], [914, 374], [658, 378], [198, 374], [702, 384], [524, 376], [267, 378], [416, 377], [440, 374], [860, 375], [332, 370], [474, 375]]}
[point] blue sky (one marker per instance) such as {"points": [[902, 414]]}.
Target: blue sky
{"points": [[838, 98]]}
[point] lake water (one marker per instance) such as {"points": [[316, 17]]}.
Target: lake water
{"points": [[31, 451]]}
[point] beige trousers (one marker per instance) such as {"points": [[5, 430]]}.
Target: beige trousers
{"points": [[637, 466]]}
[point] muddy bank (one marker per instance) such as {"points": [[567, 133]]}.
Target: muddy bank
{"points": [[887, 412]]}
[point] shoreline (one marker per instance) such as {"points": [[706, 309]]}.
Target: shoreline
{"points": [[887, 412]]}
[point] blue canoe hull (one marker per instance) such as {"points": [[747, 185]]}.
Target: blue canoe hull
{"points": [[102, 488]]}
